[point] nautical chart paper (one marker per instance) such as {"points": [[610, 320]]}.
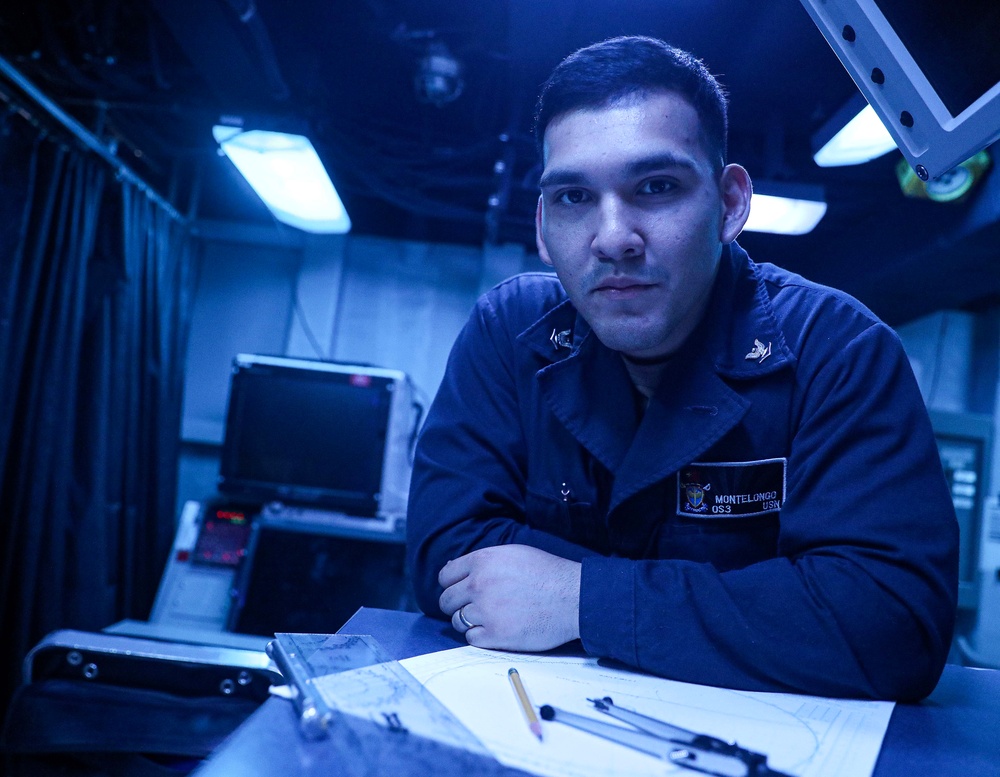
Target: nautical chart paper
{"points": [[806, 736]]}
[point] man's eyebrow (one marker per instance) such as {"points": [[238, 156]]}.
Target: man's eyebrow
{"points": [[651, 164], [659, 162], [562, 178]]}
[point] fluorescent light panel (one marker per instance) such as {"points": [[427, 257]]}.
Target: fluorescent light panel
{"points": [[862, 139], [785, 209], [287, 174]]}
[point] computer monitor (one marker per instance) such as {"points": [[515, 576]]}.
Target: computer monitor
{"points": [[318, 434], [964, 442], [930, 70], [313, 579]]}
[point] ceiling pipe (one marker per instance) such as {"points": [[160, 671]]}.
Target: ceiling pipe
{"points": [[85, 136], [246, 12]]}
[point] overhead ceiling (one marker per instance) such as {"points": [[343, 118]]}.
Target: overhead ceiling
{"points": [[151, 77]]}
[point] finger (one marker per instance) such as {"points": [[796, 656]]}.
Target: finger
{"points": [[478, 637], [455, 570], [454, 597], [462, 621]]}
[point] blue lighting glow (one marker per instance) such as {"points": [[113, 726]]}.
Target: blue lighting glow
{"points": [[287, 174]]}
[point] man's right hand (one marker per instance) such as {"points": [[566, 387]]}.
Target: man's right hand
{"points": [[517, 598]]}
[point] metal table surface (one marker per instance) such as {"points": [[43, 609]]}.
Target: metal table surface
{"points": [[952, 733]]}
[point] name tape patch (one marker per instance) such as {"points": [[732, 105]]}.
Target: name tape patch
{"points": [[731, 489]]}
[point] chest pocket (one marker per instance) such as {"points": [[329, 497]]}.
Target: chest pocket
{"points": [[725, 513], [579, 522], [725, 543]]}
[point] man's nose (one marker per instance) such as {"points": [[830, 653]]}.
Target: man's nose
{"points": [[618, 235]]}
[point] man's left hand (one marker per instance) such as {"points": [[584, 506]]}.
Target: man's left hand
{"points": [[516, 597]]}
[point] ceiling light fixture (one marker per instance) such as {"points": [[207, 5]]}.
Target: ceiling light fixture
{"points": [[853, 136], [439, 76], [287, 174], [785, 209]]}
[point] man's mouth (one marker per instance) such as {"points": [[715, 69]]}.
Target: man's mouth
{"points": [[622, 287]]}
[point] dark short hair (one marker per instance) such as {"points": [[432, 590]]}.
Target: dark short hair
{"points": [[604, 73]]}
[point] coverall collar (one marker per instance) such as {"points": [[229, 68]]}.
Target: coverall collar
{"points": [[588, 389], [731, 338]]}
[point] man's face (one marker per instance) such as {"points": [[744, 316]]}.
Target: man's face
{"points": [[633, 216]]}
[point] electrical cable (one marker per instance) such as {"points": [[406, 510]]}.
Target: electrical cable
{"points": [[938, 357], [300, 315]]}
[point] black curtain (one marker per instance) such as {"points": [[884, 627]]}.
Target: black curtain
{"points": [[95, 294]]}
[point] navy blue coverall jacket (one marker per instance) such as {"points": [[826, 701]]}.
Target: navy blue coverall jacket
{"points": [[776, 519]]}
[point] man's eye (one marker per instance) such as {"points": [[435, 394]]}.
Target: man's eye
{"points": [[573, 196], [656, 186]]}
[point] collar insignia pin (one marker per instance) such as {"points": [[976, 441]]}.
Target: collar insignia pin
{"points": [[759, 351], [560, 339]]}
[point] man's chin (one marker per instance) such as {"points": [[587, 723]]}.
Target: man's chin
{"points": [[632, 341]]}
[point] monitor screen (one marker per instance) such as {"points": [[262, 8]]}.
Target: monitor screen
{"points": [[311, 582], [311, 433]]}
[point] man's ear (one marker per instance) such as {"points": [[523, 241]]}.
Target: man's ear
{"points": [[736, 190], [543, 252]]}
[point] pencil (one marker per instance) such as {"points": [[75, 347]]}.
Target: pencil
{"points": [[522, 696]]}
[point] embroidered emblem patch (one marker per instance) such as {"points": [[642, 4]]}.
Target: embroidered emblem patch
{"points": [[731, 489], [560, 339], [694, 494], [759, 352]]}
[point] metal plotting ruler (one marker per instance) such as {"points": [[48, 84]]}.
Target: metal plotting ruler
{"points": [[336, 675]]}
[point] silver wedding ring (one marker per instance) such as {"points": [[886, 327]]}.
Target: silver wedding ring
{"points": [[465, 621]]}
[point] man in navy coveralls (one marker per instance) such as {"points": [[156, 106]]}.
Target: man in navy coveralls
{"points": [[700, 466]]}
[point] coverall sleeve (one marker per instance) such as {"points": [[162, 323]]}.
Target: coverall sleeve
{"points": [[467, 490], [860, 600]]}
